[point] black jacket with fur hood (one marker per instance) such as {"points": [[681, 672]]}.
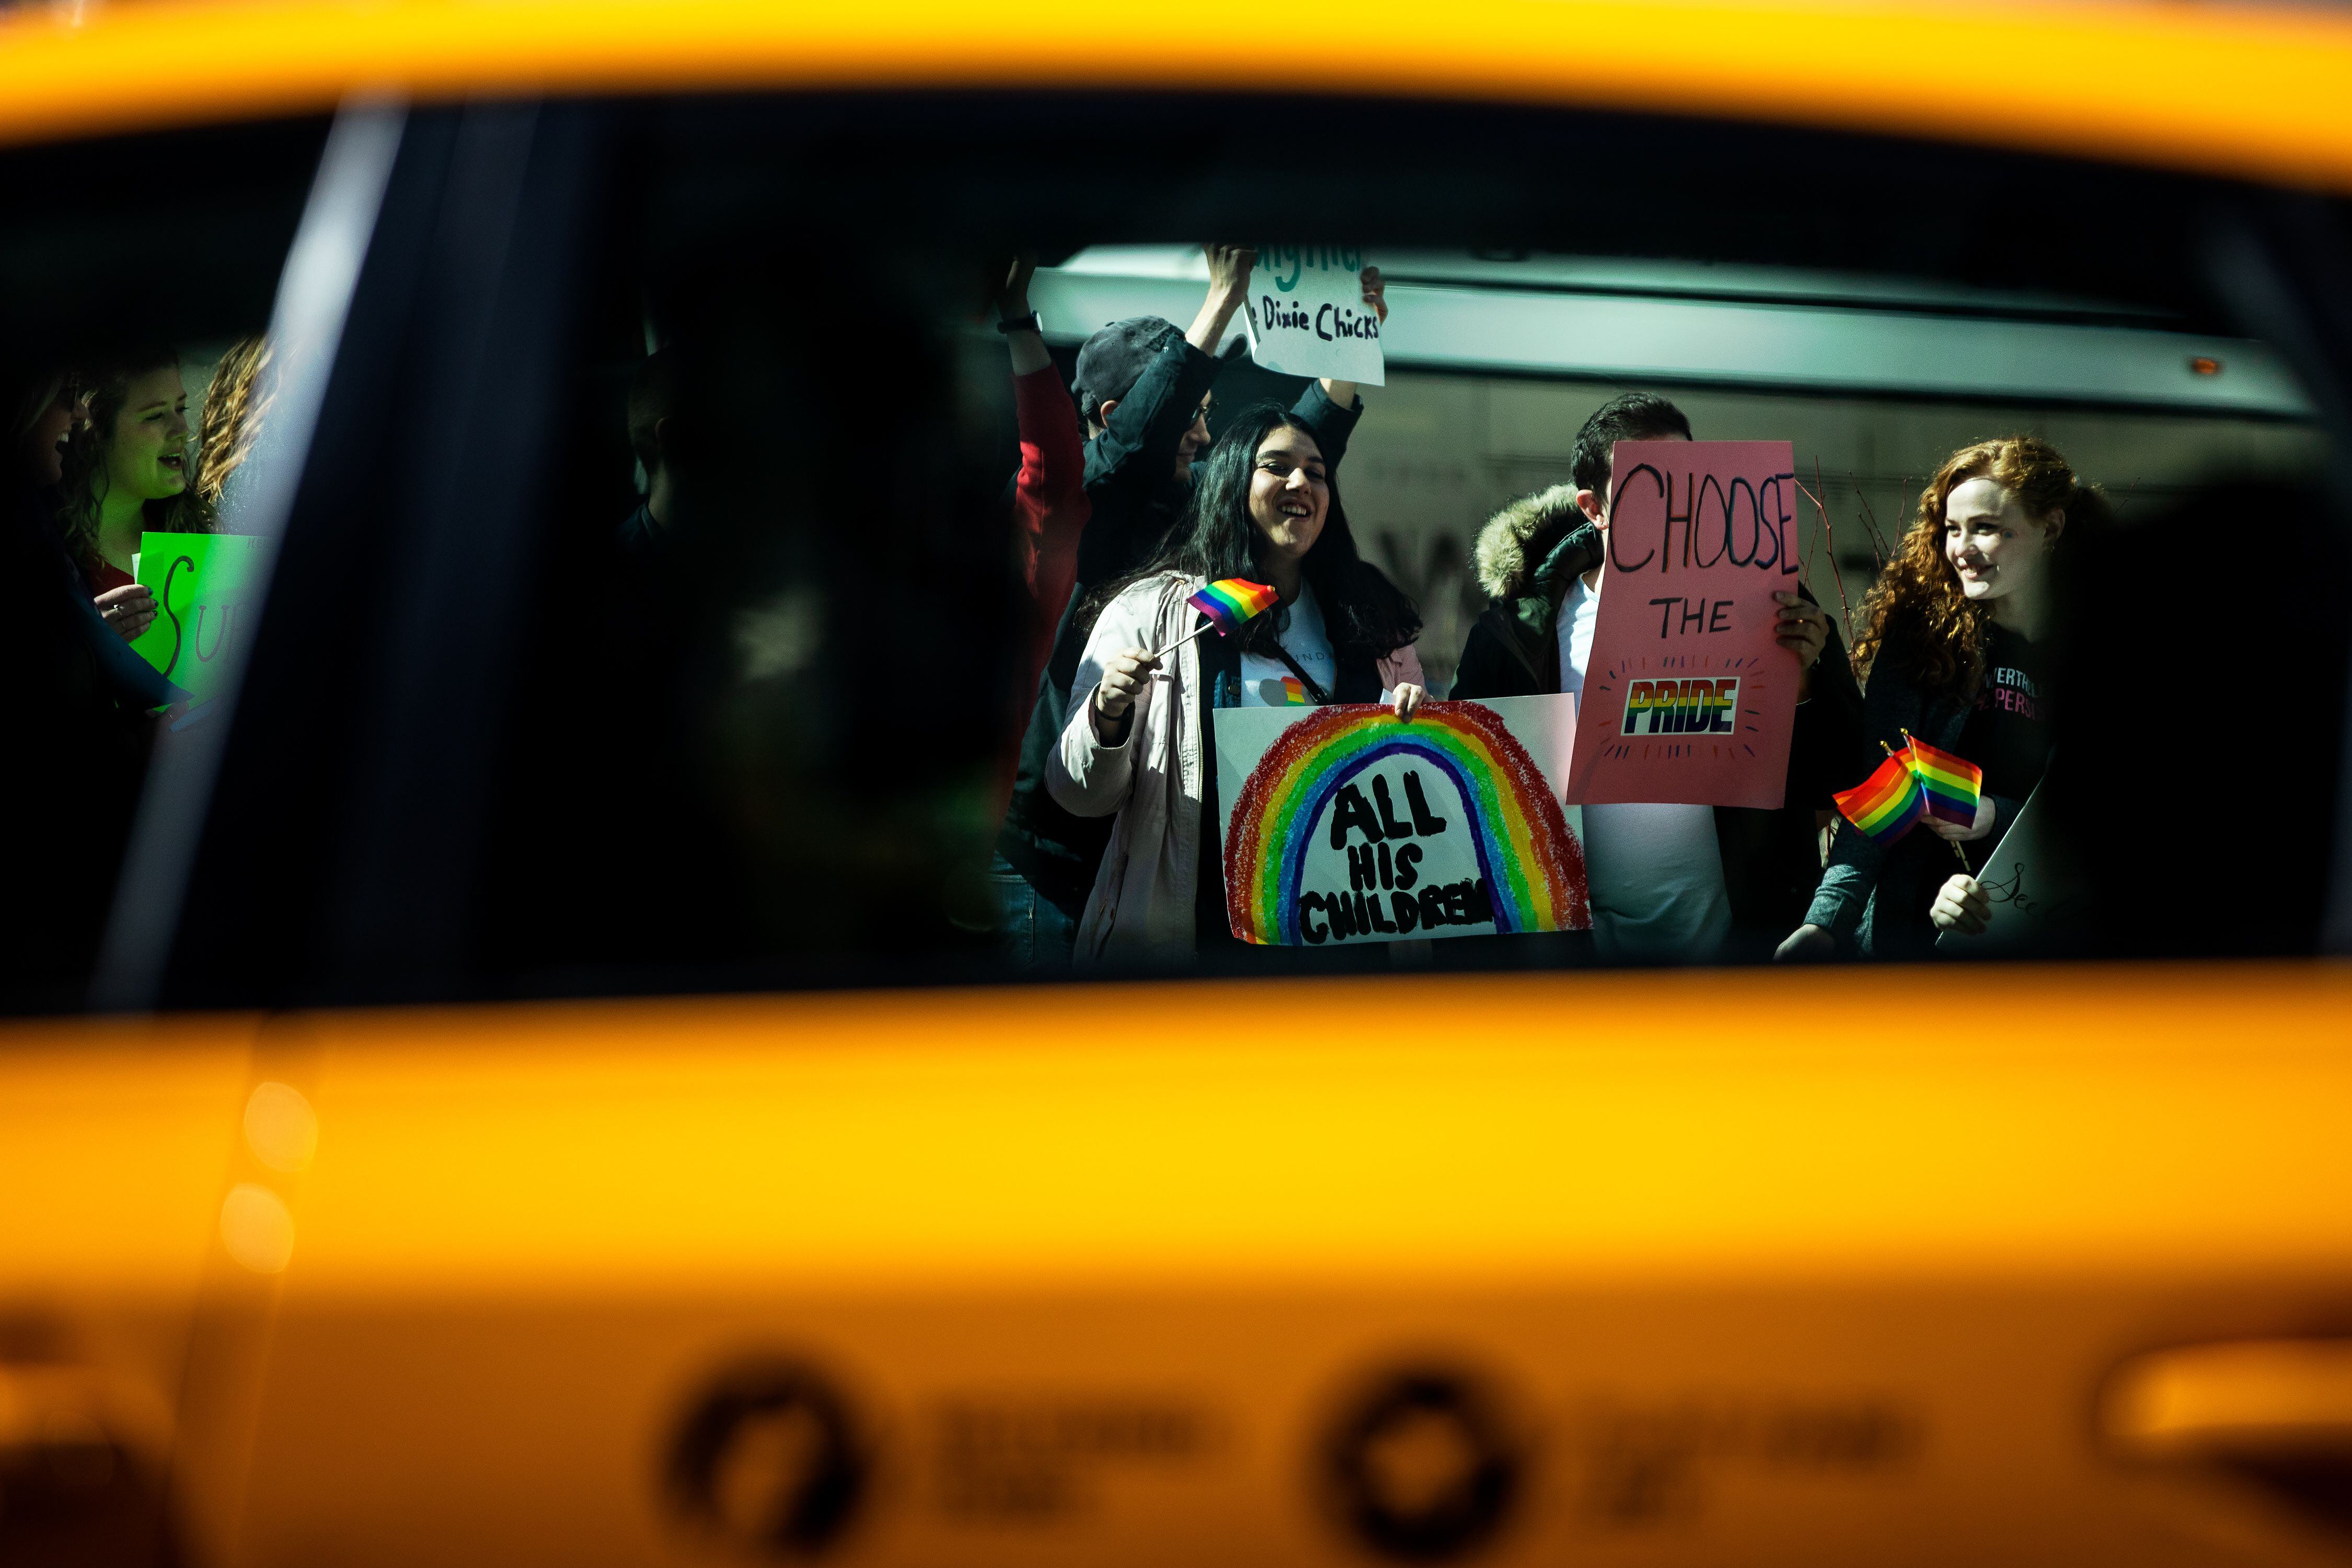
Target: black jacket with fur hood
{"points": [[1528, 554]]}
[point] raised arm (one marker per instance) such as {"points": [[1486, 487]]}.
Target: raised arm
{"points": [[1143, 431], [1026, 343], [1050, 505], [1330, 408], [1229, 276]]}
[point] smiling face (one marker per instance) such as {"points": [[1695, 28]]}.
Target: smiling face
{"points": [[1995, 549], [1290, 494], [148, 452]]}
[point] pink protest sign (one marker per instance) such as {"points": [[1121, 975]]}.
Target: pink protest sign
{"points": [[1689, 698]]}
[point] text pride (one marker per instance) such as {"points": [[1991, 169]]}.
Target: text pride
{"points": [[1681, 706]]}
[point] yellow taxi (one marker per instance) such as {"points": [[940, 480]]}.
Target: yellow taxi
{"points": [[532, 1072]]}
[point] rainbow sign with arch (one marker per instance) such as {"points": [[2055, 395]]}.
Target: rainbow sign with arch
{"points": [[1354, 825]]}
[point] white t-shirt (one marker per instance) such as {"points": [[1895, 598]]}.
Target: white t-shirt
{"points": [[1298, 627], [1655, 872]]}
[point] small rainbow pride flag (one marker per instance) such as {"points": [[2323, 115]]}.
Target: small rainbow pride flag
{"points": [[1888, 802], [1951, 786], [1294, 695], [1231, 602]]}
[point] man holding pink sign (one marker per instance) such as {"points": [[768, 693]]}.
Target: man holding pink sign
{"points": [[1716, 711]]}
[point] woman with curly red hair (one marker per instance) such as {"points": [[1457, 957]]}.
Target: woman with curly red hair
{"points": [[1957, 649]]}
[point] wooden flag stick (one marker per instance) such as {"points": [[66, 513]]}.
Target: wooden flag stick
{"points": [[1959, 854], [1206, 625]]}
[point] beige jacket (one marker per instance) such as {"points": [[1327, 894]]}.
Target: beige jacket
{"points": [[1141, 903]]}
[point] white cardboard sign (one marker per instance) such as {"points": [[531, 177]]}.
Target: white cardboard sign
{"points": [[1346, 824], [1307, 314], [2035, 887]]}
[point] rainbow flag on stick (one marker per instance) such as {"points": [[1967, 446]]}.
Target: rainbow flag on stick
{"points": [[1230, 603], [1916, 782], [1888, 802], [1952, 786]]}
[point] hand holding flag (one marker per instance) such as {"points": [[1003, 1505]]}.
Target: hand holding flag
{"points": [[1919, 781]]}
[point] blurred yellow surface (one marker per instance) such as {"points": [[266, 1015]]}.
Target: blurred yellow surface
{"points": [[2249, 91], [527, 1239], [113, 1139], [1474, 1128]]}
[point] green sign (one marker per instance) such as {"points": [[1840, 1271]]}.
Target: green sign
{"points": [[208, 589]]}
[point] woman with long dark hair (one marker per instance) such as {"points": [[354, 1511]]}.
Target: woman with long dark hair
{"points": [[1140, 740], [1959, 647]]}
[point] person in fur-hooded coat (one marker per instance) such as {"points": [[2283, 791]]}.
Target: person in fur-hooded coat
{"points": [[1528, 557]]}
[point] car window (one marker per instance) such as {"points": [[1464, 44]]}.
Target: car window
{"points": [[709, 575], [840, 611]]}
